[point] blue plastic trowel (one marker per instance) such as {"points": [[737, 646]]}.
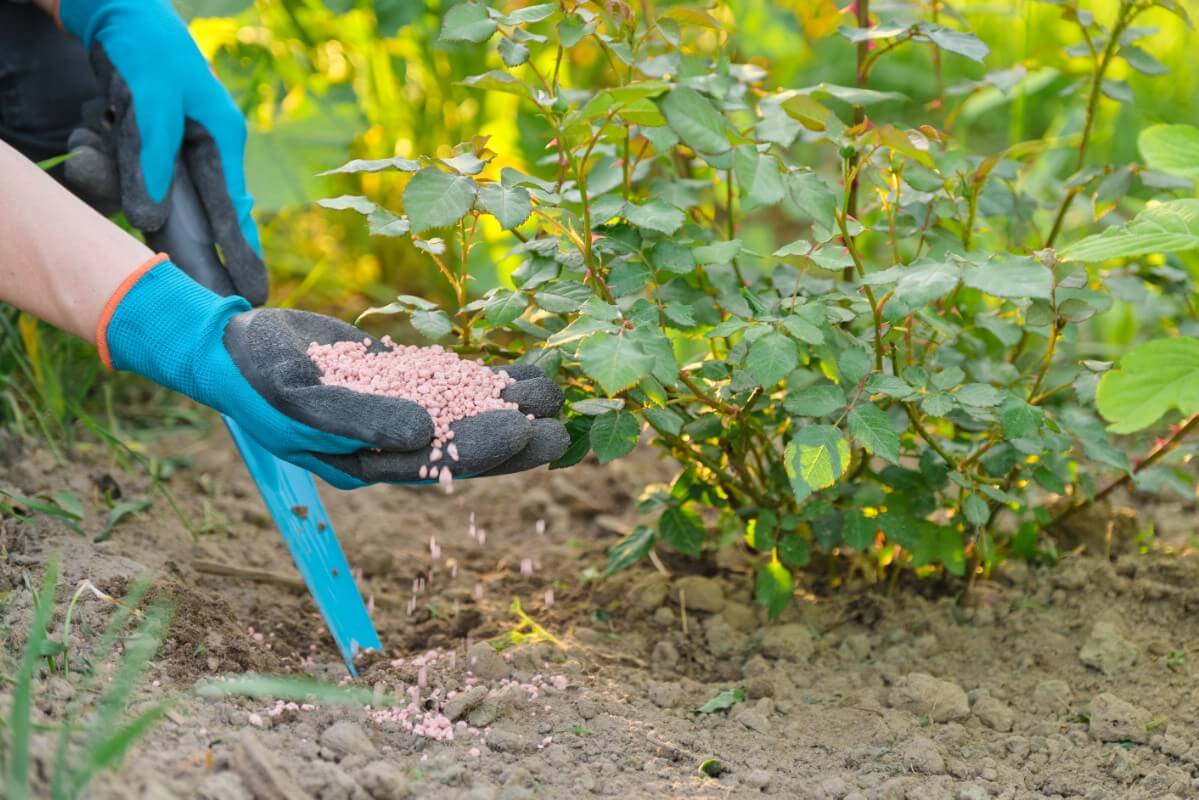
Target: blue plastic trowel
{"points": [[288, 491]]}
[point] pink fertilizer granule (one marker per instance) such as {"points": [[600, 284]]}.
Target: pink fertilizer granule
{"points": [[448, 387]]}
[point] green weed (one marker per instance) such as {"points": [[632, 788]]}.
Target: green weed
{"points": [[94, 731]]}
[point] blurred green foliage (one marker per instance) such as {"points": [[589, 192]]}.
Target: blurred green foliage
{"points": [[320, 80]]}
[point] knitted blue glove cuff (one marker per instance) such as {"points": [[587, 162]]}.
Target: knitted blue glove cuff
{"points": [[164, 326]]}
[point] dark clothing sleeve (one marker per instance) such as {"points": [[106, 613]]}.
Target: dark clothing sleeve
{"points": [[45, 78]]}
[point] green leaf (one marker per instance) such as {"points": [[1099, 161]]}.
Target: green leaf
{"points": [[283, 687], [948, 378], [624, 97], [384, 223], [803, 329], [852, 95], [504, 307], [1150, 380], [859, 530], [918, 284], [497, 80], [812, 196], [854, 364], [613, 435], [562, 297], [434, 246], [871, 427], [727, 328], [571, 30], [111, 751], [69, 502], [774, 588], [665, 420], [964, 44], [579, 429], [890, 386], [976, 510], [467, 22], [761, 531], [794, 551], [758, 177], [1142, 62], [614, 361], [697, 122], [979, 395], [348, 202], [594, 406], [723, 701], [373, 165], [1171, 148], [815, 459], [682, 529], [818, 400], [436, 199], [432, 324], [1011, 276], [528, 14], [509, 204], [1117, 90], [1019, 419], [671, 257], [512, 53], [1168, 227], [717, 252], [118, 513], [18, 733], [630, 549], [628, 277], [772, 358], [1098, 447], [655, 216], [680, 315]]}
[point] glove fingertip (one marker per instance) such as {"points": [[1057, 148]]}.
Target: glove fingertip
{"points": [[540, 397]]}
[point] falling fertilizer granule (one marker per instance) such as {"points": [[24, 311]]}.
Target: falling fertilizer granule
{"points": [[448, 387]]}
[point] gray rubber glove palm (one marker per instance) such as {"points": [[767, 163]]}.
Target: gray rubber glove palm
{"points": [[269, 347]]}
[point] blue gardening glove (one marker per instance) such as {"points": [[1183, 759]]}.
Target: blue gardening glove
{"points": [[165, 103], [252, 365]]}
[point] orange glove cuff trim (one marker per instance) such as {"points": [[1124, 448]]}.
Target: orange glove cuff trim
{"points": [[111, 306]]}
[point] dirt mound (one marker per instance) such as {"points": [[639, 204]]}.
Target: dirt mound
{"points": [[1073, 681]]}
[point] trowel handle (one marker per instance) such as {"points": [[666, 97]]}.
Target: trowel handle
{"points": [[187, 236]]}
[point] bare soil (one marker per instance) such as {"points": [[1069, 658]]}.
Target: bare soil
{"points": [[1046, 682]]}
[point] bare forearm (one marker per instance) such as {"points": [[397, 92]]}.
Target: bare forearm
{"points": [[59, 259], [49, 6]]}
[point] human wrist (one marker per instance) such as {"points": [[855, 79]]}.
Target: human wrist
{"points": [[162, 325]]}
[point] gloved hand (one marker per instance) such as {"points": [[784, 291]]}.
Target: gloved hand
{"points": [[252, 365], [165, 103]]}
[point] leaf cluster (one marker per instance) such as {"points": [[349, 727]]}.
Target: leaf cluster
{"points": [[853, 333]]}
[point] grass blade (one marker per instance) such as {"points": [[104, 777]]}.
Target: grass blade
{"points": [[20, 721]]}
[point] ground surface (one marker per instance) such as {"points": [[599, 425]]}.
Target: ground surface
{"points": [[1075, 681]]}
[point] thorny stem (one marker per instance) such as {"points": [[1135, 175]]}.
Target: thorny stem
{"points": [[882, 51], [875, 309], [729, 221], [1160, 450], [581, 179], [936, 15], [929, 440], [861, 77], [460, 286], [1054, 335], [968, 234], [1128, 12], [707, 399]]}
